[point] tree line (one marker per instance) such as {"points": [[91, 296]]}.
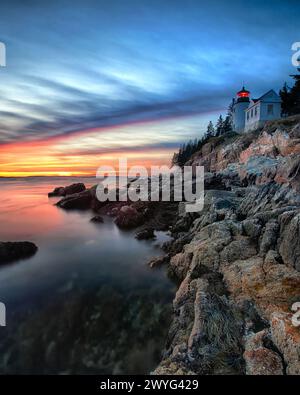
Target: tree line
{"points": [[290, 97], [290, 105], [222, 126]]}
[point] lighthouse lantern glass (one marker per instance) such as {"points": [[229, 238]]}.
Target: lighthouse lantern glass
{"points": [[243, 94]]}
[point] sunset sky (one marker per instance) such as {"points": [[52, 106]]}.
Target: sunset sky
{"points": [[88, 81]]}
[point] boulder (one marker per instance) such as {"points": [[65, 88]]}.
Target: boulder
{"points": [[145, 234], [79, 201], [269, 237], [287, 340], [289, 246], [180, 264], [158, 261], [59, 191], [68, 190], [128, 218], [242, 248], [259, 359], [13, 251]]}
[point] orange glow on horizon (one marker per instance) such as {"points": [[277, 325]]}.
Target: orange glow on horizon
{"points": [[81, 152], [63, 157]]}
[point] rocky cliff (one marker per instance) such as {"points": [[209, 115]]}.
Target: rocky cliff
{"points": [[238, 261]]}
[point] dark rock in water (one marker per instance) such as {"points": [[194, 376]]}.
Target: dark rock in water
{"points": [[97, 219], [74, 188], [175, 246], [79, 201], [59, 191], [128, 218], [12, 251], [145, 234], [68, 190], [159, 261]]}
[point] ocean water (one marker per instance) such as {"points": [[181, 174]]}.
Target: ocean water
{"points": [[86, 302]]}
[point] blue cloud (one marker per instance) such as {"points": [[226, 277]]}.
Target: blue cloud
{"points": [[74, 65]]}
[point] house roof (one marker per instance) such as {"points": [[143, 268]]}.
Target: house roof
{"points": [[261, 98], [267, 93]]}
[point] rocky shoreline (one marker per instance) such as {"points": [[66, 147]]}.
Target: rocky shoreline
{"points": [[237, 262]]}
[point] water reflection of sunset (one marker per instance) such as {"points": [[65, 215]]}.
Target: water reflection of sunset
{"points": [[26, 214]]}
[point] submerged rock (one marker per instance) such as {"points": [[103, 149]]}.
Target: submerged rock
{"points": [[145, 234], [13, 251], [241, 250], [159, 261], [97, 219]]}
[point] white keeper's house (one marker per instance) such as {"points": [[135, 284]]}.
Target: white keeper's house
{"points": [[249, 114]]}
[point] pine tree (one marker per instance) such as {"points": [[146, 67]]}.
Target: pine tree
{"points": [[295, 95], [230, 112], [174, 160], [227, 125], [285, 96], [290, 97], [187, 150], [220, 126], [210, 131]]}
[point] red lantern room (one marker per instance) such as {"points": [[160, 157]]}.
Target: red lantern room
{"points": [[243, 95]]}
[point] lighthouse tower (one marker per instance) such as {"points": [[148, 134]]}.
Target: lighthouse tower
{"points": [[240, 104]]}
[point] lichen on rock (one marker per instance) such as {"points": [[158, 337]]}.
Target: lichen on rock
{"points": [[238, 261]]}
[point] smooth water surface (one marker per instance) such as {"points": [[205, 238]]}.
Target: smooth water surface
{"points": [[86, 302]]}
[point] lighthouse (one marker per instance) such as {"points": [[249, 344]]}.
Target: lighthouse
{"points": [[241, 103]]}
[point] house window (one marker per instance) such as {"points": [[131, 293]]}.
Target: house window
{"points": [[256, 111], [270, 109], [252, 113], [248, 116]]}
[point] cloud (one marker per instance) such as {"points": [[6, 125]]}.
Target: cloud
{"points": [[100, 65], [84, 110], [169, 146]]}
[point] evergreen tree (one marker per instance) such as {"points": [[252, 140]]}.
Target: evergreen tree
{"points": [[210, 132], [227, 125], [174, 161], [285, 96], [295, 95], [230, 112], [290, 97], [187, 150], [220, 126]]}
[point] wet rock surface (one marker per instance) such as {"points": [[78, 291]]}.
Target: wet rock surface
{"points": [[236, 262], [76, 201], [14, 251], [68, 190], [145, 234]]}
